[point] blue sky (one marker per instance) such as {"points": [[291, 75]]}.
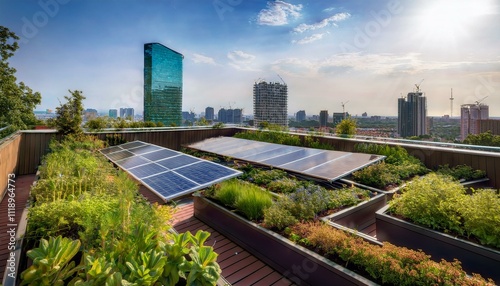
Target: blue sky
{"points": [[368, 53]]}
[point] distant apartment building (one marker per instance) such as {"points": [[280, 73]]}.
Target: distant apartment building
{"points": [[323, 118], [470, 118], [127, 112], [233, 116], [188, 116], [209, 113], [89, 114], [270, 103], [412, 115], [113, 113], [162, 84], [338, 117], [300, 116]]}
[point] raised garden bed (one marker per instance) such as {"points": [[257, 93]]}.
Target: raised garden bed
{"points": [[297, 263], [474, 257], [360, 218]]}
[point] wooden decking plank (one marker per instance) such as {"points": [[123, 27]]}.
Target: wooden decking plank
{"points": [[22, 190], [228, 271], [235, 258], [255, 277], [247, 271]]}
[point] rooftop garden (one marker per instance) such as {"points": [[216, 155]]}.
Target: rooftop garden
{"points": [[88, 225], [294, 208]]}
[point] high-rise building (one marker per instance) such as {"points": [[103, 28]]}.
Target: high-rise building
{"points": [[270, 103], [162, 84], [470, 118], [209, 113], [127, 112], [113, 113], [300, 116], [338, 117], [234, 116], [412, 115], [89, 114], [323, 118]]}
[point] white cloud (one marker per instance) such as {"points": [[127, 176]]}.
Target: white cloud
{"points": [[201, 59], [241, 60], [278, 13], [374, 64], [310, 39], [323, 23]]}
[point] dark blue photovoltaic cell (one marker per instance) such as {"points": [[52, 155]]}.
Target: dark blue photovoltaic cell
{"points": [[111, 150], [144, 149], [159, 155], [147, 170], [156, 167], [132, 162], [204, 172], [130, 145], [120, 155], [177, 161], [169, 184]]}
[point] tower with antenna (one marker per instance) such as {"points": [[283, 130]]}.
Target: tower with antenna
{"points": [[451, 104]]}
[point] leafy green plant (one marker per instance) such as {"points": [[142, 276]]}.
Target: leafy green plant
{"points": [[388, 264], [284, 185], [52, 263], [461, 172], [481, 216], [431, 201], [265, 177]]}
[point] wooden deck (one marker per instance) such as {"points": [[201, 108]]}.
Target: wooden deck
{"points": [[238, 266], [22, 190]]}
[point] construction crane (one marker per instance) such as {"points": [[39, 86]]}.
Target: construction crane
{"points": [[478, 102], [451, 104], [343, 108], [417, 85], [281, 79]]}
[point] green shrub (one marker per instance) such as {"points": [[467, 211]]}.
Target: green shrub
{"points": [[481, 216], [432, 201], [387, 264], [264, 177], [308, 201], [461, 172], [379, 175], [278, 217], [283, 185]]}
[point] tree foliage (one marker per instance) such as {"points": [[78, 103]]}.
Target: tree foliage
{"points": [[69, 114], [483, 139], [17, 100], [347, 127]]}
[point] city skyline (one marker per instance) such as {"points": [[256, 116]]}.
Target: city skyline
{"points": [[327, 52]]}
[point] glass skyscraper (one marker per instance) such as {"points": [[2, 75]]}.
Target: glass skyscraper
{"points": [[162, 85]]}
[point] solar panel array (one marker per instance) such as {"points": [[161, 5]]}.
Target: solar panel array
{"points": [[316, 163], [166, 172]]}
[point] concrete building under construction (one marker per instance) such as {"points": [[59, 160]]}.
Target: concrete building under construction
{"points": [[471, 116], [270, 103]]}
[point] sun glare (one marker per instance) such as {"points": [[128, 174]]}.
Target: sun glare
{"points": [[451, 20]]}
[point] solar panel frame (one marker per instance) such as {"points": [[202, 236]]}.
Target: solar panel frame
{"points": [[149, 167]]}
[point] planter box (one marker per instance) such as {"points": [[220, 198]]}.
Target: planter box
{"points": [[474, 257], [298, 264], [361, 217]]}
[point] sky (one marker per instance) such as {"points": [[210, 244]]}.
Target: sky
{"points": [[363, 54]]}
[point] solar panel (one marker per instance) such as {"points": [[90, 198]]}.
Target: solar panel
{"points": [[147, 170], [321, 164], [133, 144], [166, 172], [144, 149], [115, 156], [177, 161], [131, 162], [160, 155]]}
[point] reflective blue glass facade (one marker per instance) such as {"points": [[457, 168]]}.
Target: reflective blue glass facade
{"points": [[162, 85]]}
